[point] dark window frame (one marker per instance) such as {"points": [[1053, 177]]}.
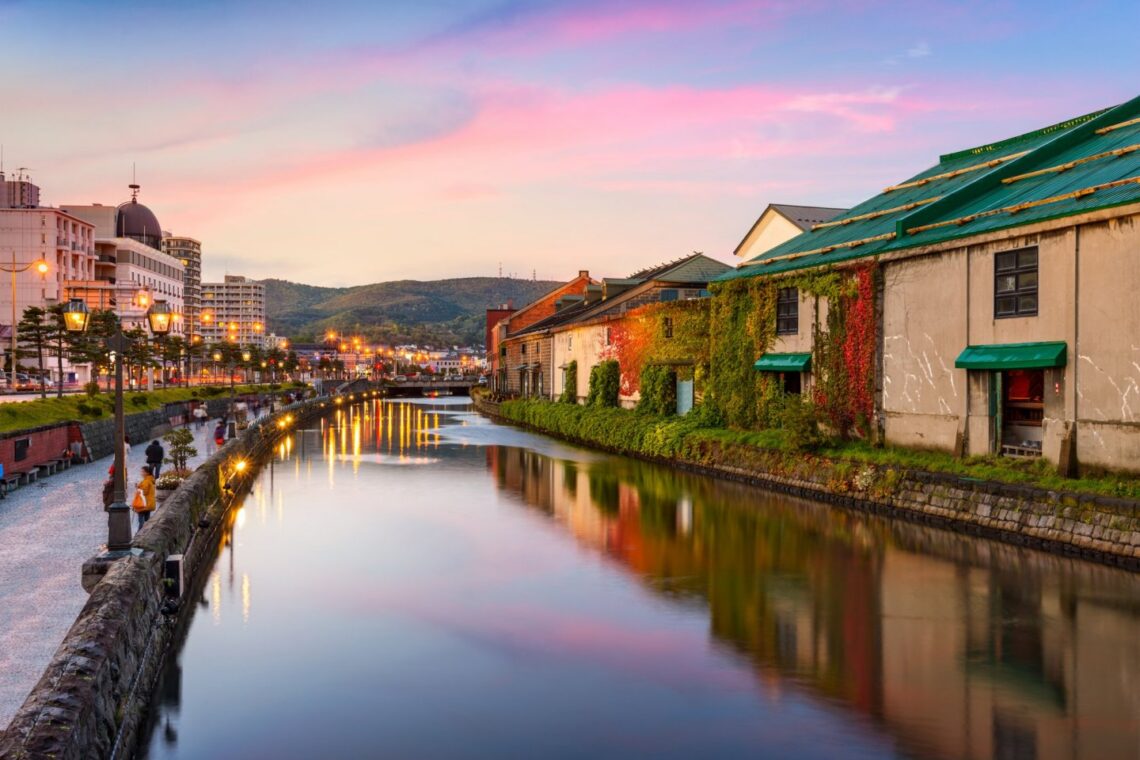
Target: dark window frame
{"points": [[788, 311], [1019, 298], [667, 326]]}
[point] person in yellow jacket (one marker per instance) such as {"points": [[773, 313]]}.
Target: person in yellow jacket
{"points": [[144, 501]]}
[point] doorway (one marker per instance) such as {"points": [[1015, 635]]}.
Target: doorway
{"points": [[1022, 411]]}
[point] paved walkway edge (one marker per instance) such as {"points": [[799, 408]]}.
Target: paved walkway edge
{"points": [[93, 699]]}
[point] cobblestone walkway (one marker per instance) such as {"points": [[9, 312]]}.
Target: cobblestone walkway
{"points": [[47, 530]]}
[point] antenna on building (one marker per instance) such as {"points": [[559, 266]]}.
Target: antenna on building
{"points": [[534, 275], [134, 186], [500, 263]]}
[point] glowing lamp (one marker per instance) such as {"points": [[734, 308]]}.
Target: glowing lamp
{"points": [[76, 316], [159, 317]]}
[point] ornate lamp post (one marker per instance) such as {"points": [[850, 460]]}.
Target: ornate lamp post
{"points": [[76, 318]]}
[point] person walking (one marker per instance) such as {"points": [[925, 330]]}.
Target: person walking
{"points": [[220, 433], [154, 456], [144, 502]]}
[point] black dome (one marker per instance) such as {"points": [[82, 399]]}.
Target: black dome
{"points": [[138, 222]]}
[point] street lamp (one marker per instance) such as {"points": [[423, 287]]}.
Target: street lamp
{"points": [[41, 267], [76, 319]]}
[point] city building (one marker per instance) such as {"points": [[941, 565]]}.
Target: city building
{"points": [[30, 233], [1001, 293], [131, 270], [233, 310], [189, 252]]}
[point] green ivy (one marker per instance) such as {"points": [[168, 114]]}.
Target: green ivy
{"points": [[605, 382], [570, 389], [658, 390]]}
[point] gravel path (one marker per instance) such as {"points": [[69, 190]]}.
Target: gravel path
{"points": [[47, 530]]}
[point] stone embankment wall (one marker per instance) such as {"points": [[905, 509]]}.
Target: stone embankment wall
{"points": [[1100, 528], [93, 698], [99, 436]]}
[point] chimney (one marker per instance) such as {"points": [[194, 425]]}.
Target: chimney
{"points": [[584, 273]]}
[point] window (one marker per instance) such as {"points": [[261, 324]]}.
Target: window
{"points": [[667, 326], [669, 294], [1015, 283], [787, 311], [523, 349]]}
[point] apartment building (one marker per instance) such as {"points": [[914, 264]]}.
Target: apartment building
{"points": [[233, 310]]}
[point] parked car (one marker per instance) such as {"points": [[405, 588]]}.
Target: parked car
{"points": [[401, 378]]}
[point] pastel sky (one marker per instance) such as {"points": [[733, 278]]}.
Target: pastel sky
{"points": [[344, 143]]}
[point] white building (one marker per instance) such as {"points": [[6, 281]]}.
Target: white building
{"points": [[233, 310], [131, 271]]}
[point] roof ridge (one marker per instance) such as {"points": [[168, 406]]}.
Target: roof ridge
{"points": [[1011, 141], [1070, 132]]}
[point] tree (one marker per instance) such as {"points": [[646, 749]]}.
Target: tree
{"points": [[181, 442], [36, 334], [90, 347]]}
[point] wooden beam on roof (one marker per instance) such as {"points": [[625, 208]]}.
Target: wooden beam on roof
{"points": [[1114, 127], [1017, 207], [874, 214], [824, 249], [957, 172], [1071, 164]]}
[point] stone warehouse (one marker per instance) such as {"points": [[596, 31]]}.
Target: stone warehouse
{"points": [[1000, 296]]}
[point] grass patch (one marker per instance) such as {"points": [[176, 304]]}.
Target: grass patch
{"points": [[698, 438], [83, 408]]}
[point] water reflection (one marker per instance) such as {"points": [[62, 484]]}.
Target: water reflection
{"points": [[958, 647], [407, 579]]}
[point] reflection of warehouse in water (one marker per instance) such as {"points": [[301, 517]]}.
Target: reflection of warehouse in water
{"points": [[957, 647]]}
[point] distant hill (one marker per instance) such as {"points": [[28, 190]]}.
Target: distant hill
{"points": [[441, 312]]}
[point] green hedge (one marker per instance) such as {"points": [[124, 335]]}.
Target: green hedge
{"points": [[570, 389], [658, 390], [605, 384], [697, 438]]}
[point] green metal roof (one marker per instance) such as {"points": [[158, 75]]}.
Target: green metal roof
{"points": [[964, 194], [783, 363], [1012, 356]]}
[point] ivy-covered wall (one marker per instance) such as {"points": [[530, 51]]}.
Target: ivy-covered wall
{"points": [[674, 333], [742, 326]]}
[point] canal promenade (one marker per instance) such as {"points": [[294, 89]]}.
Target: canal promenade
{"points": [[47, 530]]}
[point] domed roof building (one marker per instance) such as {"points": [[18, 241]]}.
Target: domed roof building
{"points": [[137, 222]]}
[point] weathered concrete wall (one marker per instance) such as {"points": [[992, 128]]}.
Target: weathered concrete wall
{"points": [[924, 329], [1106, 360], [93, 698], [936, 305]]}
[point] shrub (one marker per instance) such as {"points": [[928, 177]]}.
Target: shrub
{"points": [[658, 390], [181, 443], [570, 389], [89, 410], [605, 382], [139, 399], [800, 421], [91, 389], [275, 386]]}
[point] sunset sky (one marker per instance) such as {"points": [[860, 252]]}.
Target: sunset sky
{"points": [[344, 143]]}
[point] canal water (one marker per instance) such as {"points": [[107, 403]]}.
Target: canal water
{"points": [[408, 579]]}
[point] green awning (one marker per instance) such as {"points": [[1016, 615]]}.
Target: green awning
{"points": [[1013, 356], [783, 363]]}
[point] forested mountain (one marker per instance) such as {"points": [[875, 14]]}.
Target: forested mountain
{"points": [[439, 312]]}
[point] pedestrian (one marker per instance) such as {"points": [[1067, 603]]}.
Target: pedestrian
{"points": [[220, 433], [200, 416], [154, 456], [3, 485], [143, 503], [109, 488]]}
